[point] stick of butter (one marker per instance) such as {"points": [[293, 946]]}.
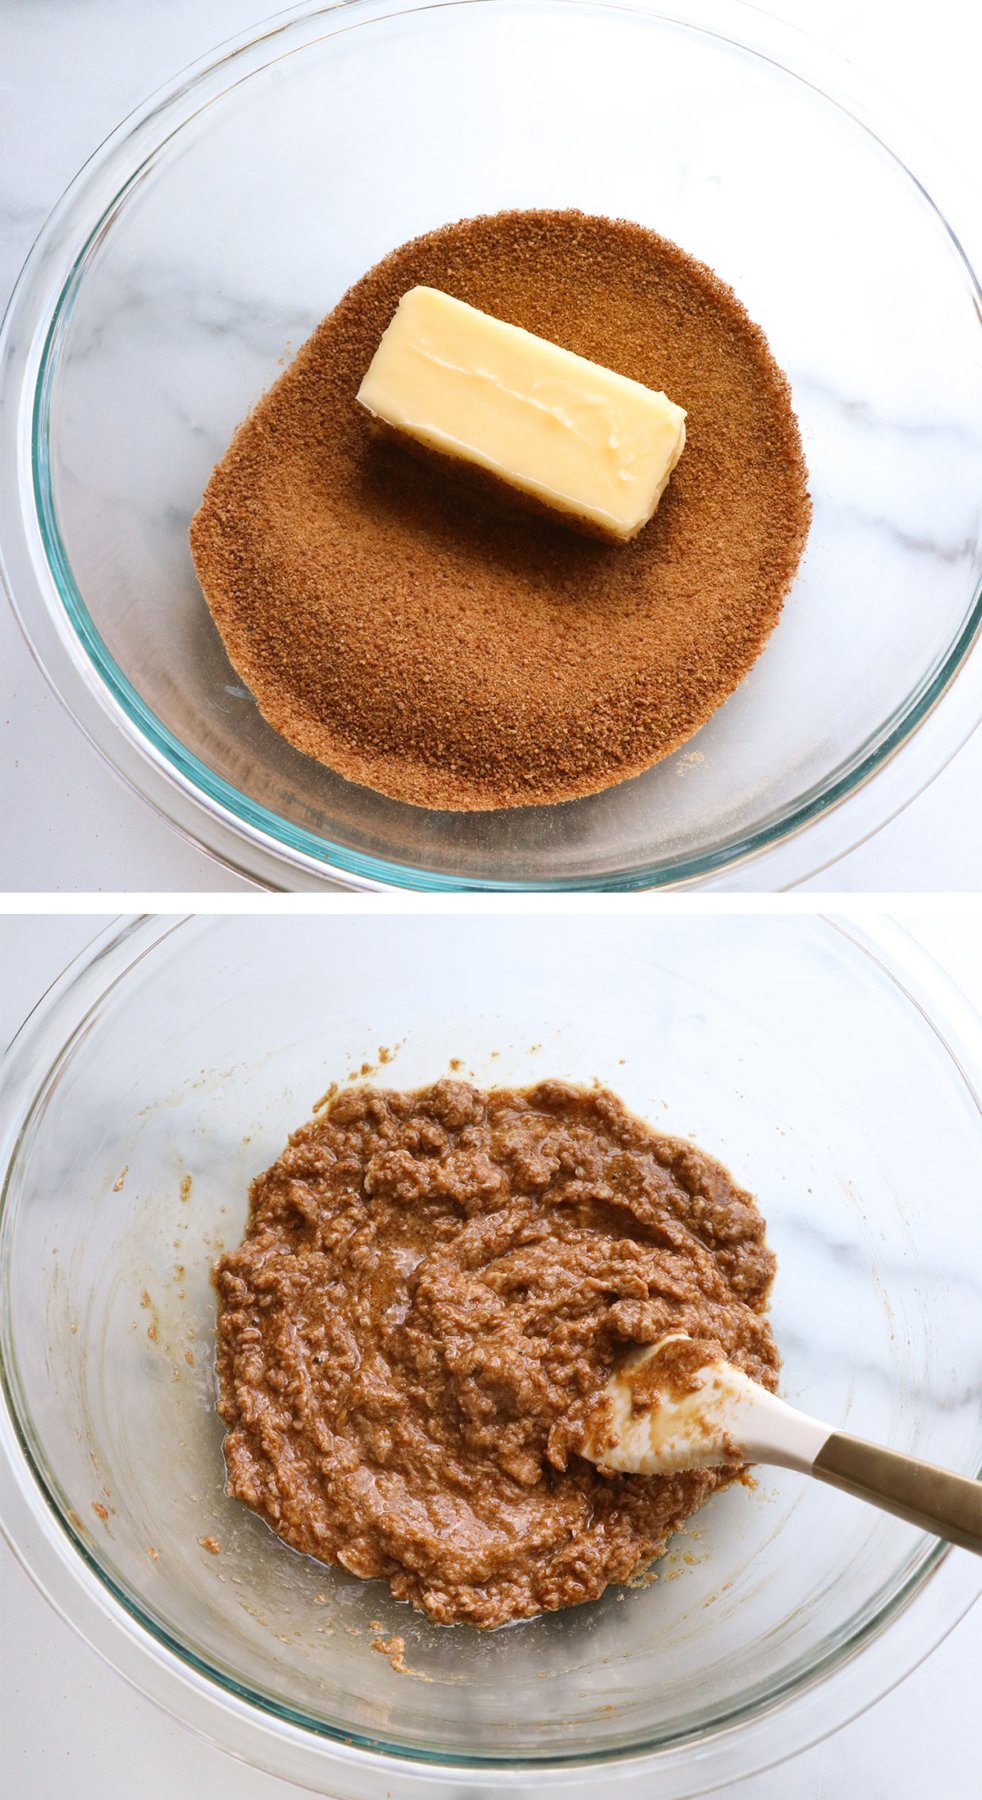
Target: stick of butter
{"points": [[569, 435]]}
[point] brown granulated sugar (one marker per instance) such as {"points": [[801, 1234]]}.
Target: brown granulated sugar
{"points": [[428, 642]]}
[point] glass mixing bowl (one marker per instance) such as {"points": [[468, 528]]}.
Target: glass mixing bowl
{"points": [[221, 221], [831, 1069]]}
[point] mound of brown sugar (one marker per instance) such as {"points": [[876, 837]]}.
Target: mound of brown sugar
{"points": [[421, 638]]}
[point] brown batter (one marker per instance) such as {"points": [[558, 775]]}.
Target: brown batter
{"points": [[432, 1289], [426, 641]]}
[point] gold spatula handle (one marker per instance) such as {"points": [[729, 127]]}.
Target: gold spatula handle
{"points": [[949, 1505]]}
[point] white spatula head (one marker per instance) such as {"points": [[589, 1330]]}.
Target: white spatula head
{"points": [[676, 1405], [663, 1410]]}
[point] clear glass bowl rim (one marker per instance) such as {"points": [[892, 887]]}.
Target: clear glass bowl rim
{"points": [[934, 1592], [210, 811]]}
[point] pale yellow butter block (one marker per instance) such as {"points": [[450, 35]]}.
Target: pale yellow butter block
{"points": [[595, 446]]}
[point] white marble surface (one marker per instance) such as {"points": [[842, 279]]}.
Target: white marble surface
{"points": [[68, 75], [72, 1727]]}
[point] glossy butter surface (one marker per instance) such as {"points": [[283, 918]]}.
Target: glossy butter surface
{"points": [[590, 443]]}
